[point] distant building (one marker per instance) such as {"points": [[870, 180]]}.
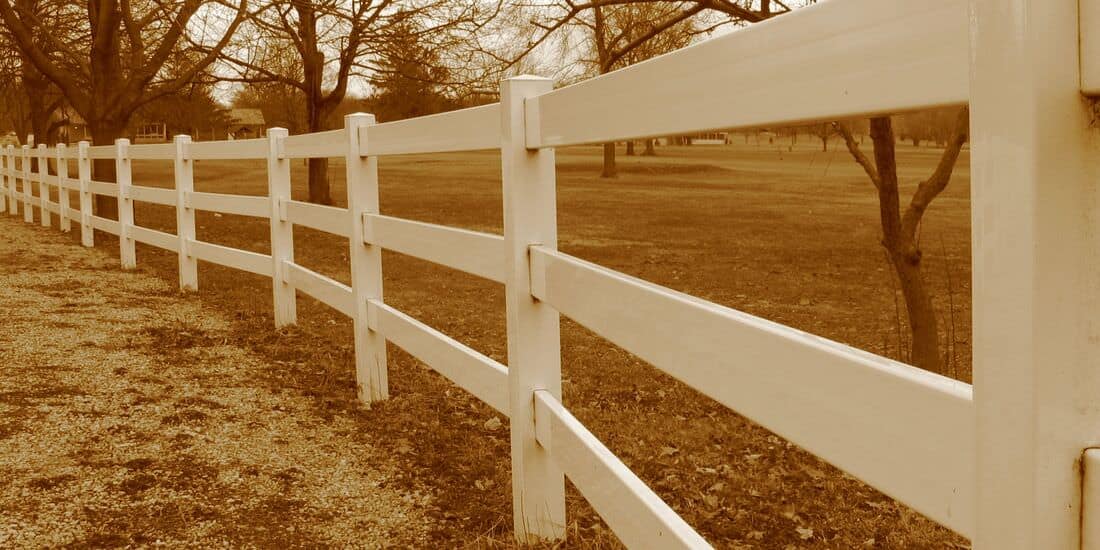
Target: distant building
{"points": [[246, 124], [74, 129], [9, 139]]}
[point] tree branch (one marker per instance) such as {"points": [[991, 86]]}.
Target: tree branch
{"points": [[930, 188], [857, 154]]}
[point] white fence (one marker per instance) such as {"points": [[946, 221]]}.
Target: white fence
{"points": [[1001, 465]]}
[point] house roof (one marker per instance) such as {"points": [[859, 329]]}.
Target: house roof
{"points": [[246, 117]]}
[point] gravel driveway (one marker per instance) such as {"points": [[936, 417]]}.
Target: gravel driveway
{"points": [[129, 418]]}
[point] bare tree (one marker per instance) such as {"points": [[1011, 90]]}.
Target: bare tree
{"points": [[114, 62], [622, 35], [901, 230], [334, 41], [38, 99]]}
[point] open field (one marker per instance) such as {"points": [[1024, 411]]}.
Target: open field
{"points": [[791, 236]]}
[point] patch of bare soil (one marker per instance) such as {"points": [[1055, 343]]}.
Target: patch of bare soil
{"points": [[128, 418]]}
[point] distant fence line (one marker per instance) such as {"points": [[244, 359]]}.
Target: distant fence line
{"points": [[911, 434]]}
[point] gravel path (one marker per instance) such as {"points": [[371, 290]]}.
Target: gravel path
{"points": [[129, 418]]}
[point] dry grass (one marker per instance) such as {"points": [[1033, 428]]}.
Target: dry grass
{"points": [[790, 236]]}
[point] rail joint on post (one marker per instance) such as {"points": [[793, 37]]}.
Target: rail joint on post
{"points": [[183, 170], [534, 338], [371, 369], [282, 231], [124, 178]]}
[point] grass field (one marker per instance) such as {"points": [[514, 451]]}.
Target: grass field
{"points": [[790, 236]]}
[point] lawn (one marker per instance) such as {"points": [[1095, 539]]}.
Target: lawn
{"points": [[791, 236]]}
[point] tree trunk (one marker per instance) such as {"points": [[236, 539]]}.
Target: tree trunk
{"points": [[650, 151], [904, 251], [922, 313], [320, 191], [105, 133], [825, 144], [630, 148], [610, 170]]}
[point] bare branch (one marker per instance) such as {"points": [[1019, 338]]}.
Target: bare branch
{"points": [[931, 188], [857, 154]]}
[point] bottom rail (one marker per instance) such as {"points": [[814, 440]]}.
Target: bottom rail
{"points": [[103, 224], [468, 369], [631, 509], [260, 264]]}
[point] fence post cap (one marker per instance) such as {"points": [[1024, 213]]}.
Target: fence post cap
{"points": [[360, 118], [527, 77]]}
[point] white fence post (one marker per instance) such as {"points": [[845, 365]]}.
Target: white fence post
{"points": [[127, 249], [13, 181], [534, 339], [28, 193], [282, 231], [366, 263], [184, 170], [1036, 248], [10, 180], [84, 173], [5, 182], [62, 191], [43, 185]]}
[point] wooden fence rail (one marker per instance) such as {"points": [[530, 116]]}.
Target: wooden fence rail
{"points": [[922, 438]]}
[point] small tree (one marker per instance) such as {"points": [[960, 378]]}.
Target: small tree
{"points": [[406, 81], [901, 230]]}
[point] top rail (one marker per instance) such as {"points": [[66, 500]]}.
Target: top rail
{"points": [[102, 152], [152, 151], [229, 150], [464, 130], [315, 145], [831, 60]]}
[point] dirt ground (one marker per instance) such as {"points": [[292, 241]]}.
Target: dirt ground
{"points": [[130, 416], [786, 233]]}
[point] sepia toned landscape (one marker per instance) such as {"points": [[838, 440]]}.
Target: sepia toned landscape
{"points": [[549, 274]]}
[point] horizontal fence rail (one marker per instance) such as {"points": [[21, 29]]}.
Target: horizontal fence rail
{"points": [[480, 254], [828, 61], [240, 205], [316, 216], [153, 195], [637, 515], [466, 130], [906, 432]]}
